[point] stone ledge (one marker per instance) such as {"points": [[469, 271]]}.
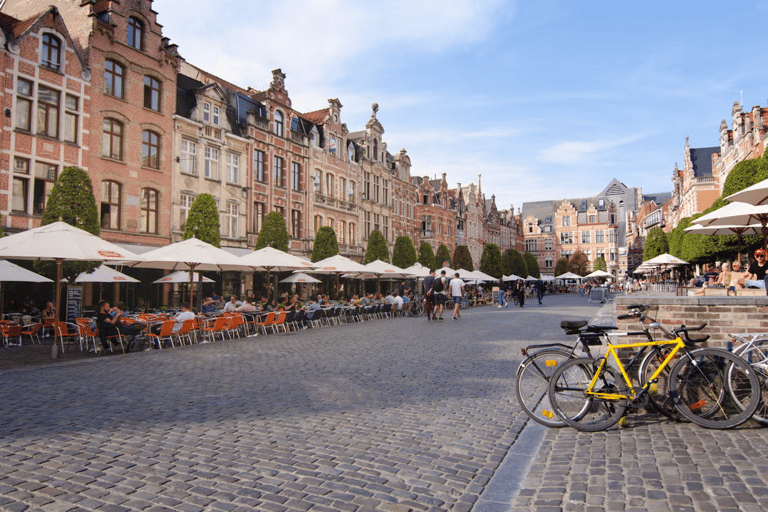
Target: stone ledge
{"points": [[659, 300]]}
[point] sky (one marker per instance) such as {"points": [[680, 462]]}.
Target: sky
{"points": [[545, 99]]}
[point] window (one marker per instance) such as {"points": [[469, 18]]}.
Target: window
{"points": [[351, 192], [566, 238], [385, 198], [377, 222], [351, 151], [591, 219], [188, 158], [375, 149], [367, 185], [211, 163], [530, 245], [233, 168], [110, 205], [51, 52], [148, 210], [277, 163], [258, 216], [20, 194], [45, 178], [385, 228], [318, 222], [549, 262], [352, 233], [318, 182], [47, 112], [342, 189], [585, 237], [376, 188], [599, 237], [601, 203], [612, 235], [207, 112], [296, 223], [329, 222], [280, 210], [329, 184], [150, 149], [114, 75], [566, 221], [295, 176], [135, 33], [151, 93], [216, 115], [278, 126], [24, 104], [258, 165], [71, 104], [232, 217], [112, 139], [184, 206], [367, 224], [548, 244]]}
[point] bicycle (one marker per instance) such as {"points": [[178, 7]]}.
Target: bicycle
{"points": [[534, 372], [592, 395], [416, 306], [754, 350]]}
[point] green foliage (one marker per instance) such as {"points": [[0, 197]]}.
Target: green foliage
{"points": [[532, 264], [676, 237], [442, 255], [745, 174], [426, 255], [203, 221], [404, 253], [273, 233], [462, 258], [561, 267], [490, 261], [377, 248], [326, 244], [513, 263], [655, 244], [71, 201], [600, 264], [578, 263]]}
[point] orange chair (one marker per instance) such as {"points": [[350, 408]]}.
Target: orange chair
{"points": [[49, 324], [186, 331], [219, 326], [87, 333], [268, 321], [166, 333], [11, 332], [64, 333], [279, 322], [235, 322], [33, 331]]}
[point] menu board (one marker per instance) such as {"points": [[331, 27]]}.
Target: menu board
{"points": [[74, 303], [495, 295]]}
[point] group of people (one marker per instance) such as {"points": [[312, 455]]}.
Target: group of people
{"points": [[436, 290], [731, 275]]}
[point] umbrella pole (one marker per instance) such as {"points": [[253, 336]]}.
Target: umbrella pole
{"points": [[191, 284]]}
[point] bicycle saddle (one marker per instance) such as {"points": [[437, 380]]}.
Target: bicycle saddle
{"points": [[572, 326]]}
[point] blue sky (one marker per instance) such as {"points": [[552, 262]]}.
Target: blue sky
{"points": [[547, 99]]}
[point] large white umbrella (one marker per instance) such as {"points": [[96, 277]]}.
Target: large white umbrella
{"points": [[666, 259], [337, 265], [13, 273], [417, 270], [181, 276], [569, 275], [739, 231], [299, 277], [738, 214], [381, 269], [268, 259], [547, 278], [599, 273], [531, 278], [756, 195], [60, 242], [105, 274], [511, 277], [190, 255]]}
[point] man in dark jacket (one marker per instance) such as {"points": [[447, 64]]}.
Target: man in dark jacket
{"points": [[428, 302]]}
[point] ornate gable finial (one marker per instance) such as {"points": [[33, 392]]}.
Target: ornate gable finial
{"points": [[375, 108], [278, 81]]}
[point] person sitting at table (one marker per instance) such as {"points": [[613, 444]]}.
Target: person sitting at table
{"points": [[107, 323], [49, 311], [313, 306], [293, 304], [247, 307], [397, 305], [232, 304], [209, 306], [184, 315]]}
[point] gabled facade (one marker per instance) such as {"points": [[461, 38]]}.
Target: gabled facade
{"points": [[694, 186], [436, 211], [404, 222], [745, 140]]}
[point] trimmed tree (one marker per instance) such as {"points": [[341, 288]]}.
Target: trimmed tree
{"points": [[377, 248], [442, 255], [561, 267], [490, 261], [426, 255], [273, 233], [655, 244], [326, 244], [462, 258], [532, 264], [578, 263], [600, 264], [203, 221], [514, 263], [404, 253], [745, 174], [71, 201]]}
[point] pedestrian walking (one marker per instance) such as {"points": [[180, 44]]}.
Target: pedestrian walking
{"points": [[438, 293], [539, 290], [457, 292], [428, 294]]}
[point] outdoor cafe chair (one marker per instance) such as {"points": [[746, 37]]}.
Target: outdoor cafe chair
{"points": [[11, 332], [219, 326], [186, 331], [289, 317], [279, 322], [386, 310], [63, 332], [49, 325], [233, 328], [166, 333], [317, 318], [298, 319], [267, 322], [32, 331]]}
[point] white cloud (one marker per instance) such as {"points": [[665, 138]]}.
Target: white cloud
{"points": [[577, 152]]}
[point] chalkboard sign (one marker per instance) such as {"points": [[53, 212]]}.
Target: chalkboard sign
{"points": [[74, 303], [495, 292]]}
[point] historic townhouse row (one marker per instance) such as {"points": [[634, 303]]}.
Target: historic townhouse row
{"points": [[96, 84]]}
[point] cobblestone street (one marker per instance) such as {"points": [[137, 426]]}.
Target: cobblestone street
{"points": [[398, 414]]}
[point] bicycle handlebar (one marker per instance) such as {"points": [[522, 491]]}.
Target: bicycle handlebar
{"points": [[685, 330]]}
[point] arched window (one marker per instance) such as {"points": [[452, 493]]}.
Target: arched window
{"points": [[114, 76], [150, 149], [112, 139], [51, 52], [110, 205], [151, 93], [149, 210], [278, 128], [135, 33]]}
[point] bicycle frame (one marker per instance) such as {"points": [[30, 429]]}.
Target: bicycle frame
{"points": [[612, 352]]}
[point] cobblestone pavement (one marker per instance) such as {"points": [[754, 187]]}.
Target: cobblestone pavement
{"points": [[397, 414]]}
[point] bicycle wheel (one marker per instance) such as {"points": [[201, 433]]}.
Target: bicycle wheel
{"points": [[658, 393], [757, 357], [532, 384], [698, 384], [587, 413]]}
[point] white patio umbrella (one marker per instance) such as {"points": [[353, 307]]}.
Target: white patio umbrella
{"points": [[417, 270], [756, 195], [531, 278], [190, 255], [482, 276], [547, 278], [599, 273], [738, 214], [10, 272], [511, 277], [181, 276], [667, 260], [337, 265], [299, 277], [383, 269], [105, 274], [569, 275], [739, 231], [60, 242], [268, 259]]}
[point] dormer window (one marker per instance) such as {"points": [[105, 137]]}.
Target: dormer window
{"points": [[278, 126], [315, 136], [216, 115], [332, 144], [351, 152], [135, 33], [51, 52], [601, 204], [206, 112]]}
